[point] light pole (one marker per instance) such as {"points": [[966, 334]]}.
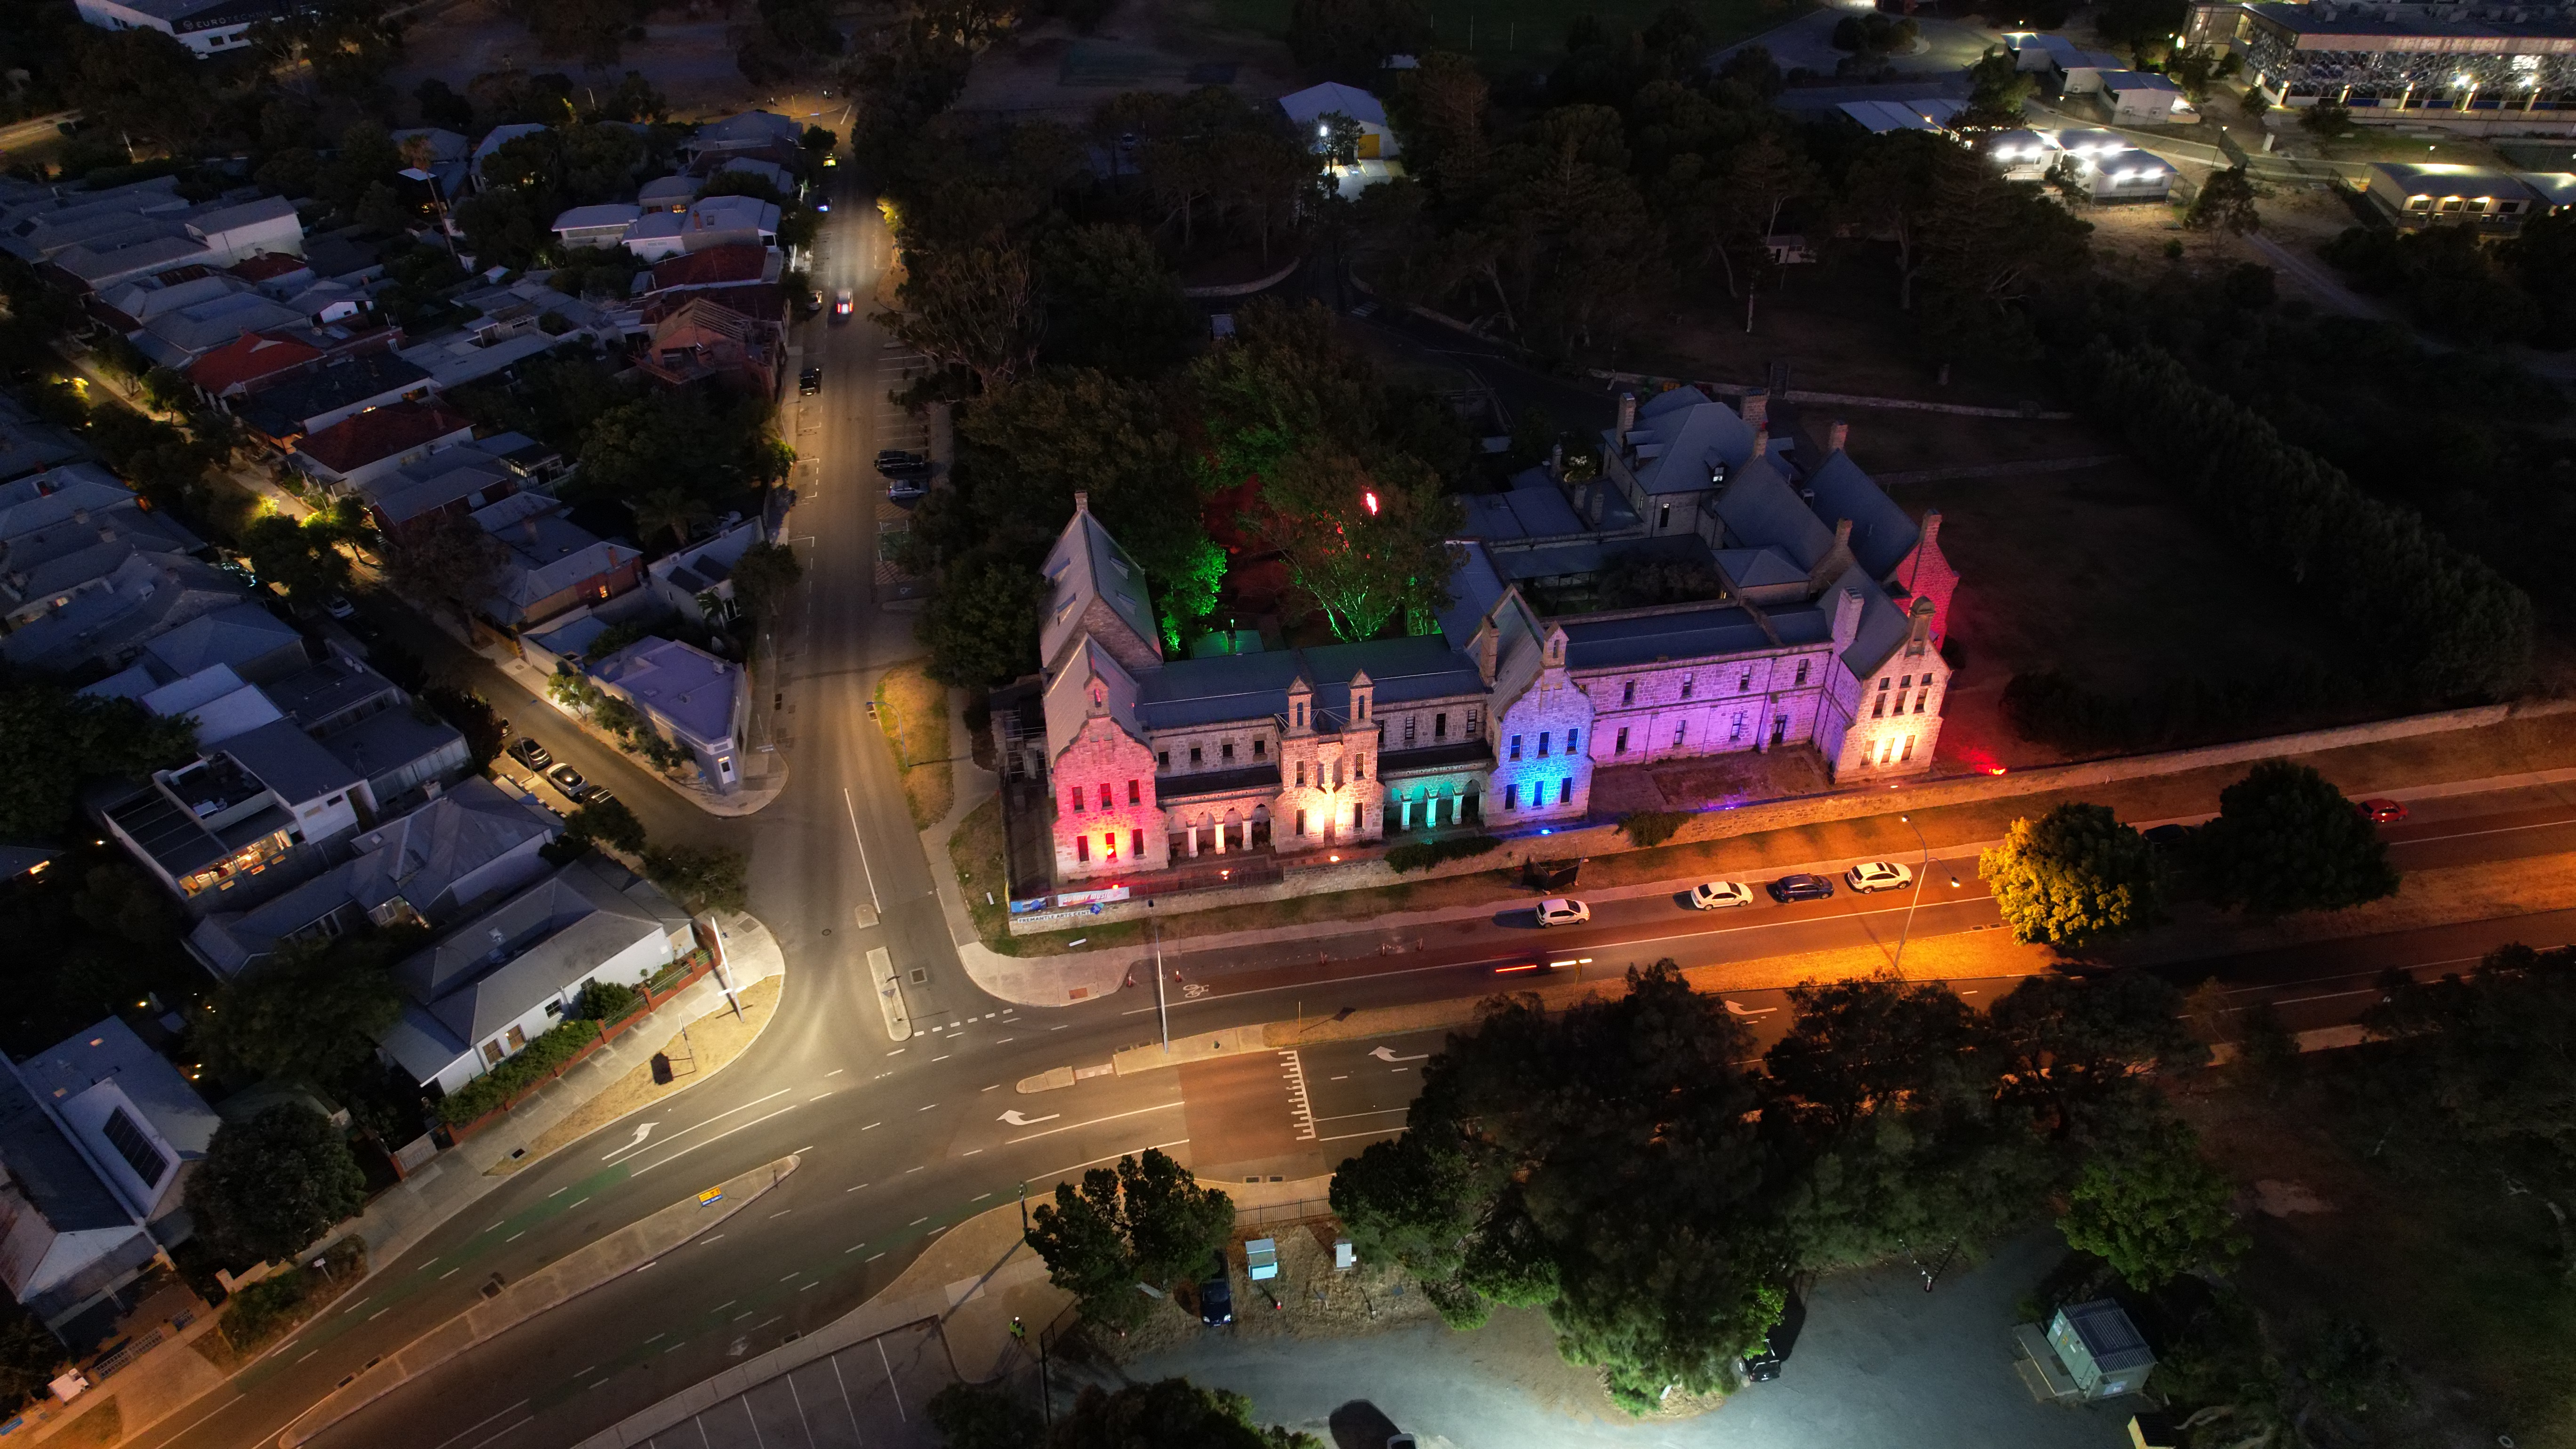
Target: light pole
{"points": [[1162, 1006], [1910, 906]]}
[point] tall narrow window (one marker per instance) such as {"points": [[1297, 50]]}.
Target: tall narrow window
{"points": [[1471, 722], [1104, 795], [1744, 679], [1686, 686], [1162, 759], [1301, 780], [1542, 744], [1440, 726], [1681, 734], [1410, 721], [1136, 844], [1516, 747], [1225, 752], [1135, 794], [1565, 791], [1628, 692], [1735, 732], [1359, 817], [1574, 742], [1198, 757], [1921, 696], [1879, 710], [1908, 752], [1077, 799], [1260, 749], [1619, 746], [1301, 824], [1511, 797], [1301, 716], [1802, 671], [1663, 517], [1082, 847]]}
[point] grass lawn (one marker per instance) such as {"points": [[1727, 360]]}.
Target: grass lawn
{"points": [[976, 851], [269, 1309], [2459, 1276], [1510, 35], [913, 711]]}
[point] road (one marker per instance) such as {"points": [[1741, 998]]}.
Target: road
{"points": [[901, 1141]]}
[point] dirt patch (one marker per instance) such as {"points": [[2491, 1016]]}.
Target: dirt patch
{"points": [[975, 851], [1307, 1300], [2278, 1199], [697, 1051], [912, 710], [1721, 779], [100, 1428]]}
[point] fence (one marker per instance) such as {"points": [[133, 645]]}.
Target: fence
{"points": [[673, 979]]}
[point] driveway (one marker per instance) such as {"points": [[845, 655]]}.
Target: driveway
{"points": [[1878, 1362]]}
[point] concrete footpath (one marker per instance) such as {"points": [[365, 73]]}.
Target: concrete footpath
{"points": [[173, 1375], [1050, 980]]}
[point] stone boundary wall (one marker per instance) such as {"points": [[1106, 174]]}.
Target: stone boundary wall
{"points": [[1827, 807]]}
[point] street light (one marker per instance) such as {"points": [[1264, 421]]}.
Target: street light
{"points": [[1903, 935]]}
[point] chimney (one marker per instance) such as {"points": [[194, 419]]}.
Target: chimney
{"points": [[1627, 413], [1837, 436], [528, 526], [1931, 530], [1846, 619], [1761, 443], [1081, 501], [1756, 409]]}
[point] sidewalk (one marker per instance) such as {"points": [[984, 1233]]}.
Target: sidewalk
{"points": [[173, 1376], [1050, 980]]}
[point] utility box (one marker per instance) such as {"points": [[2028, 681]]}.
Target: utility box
{"points": [[1343, 1258], [2101, 1349], [1261, 1259]]}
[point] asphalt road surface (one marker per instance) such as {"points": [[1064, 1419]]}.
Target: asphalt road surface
{"points": [[900, 1142]]}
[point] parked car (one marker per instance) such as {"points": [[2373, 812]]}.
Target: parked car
{"points": [[568, 780], [1216, 1295], [896, 463], [528, 752], [1711, 895], [1762, 1365], [842, 303], [2381, 811], [1561, 911], [1878, 875], [339, 607], [809, 382], [1801, 887], [2166, 837], [592, 795], [907, 489]]}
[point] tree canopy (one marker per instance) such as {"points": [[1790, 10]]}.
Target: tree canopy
{"points": [[270, 1186], [52, 741], [310, 1012], [1148, 1221], [2287, 840], [2074, 876]]}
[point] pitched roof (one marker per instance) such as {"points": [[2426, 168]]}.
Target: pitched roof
{"points": [[1305, 106], [715, 266], [1882, 533], [283, 409], [502, 964], [1086, 564], [249, 357], [267, 266], [692, 689], [606, 213], [1761, 510], [379, 433], [1686, 437]]}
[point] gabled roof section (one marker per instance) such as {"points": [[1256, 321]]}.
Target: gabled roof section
{"points": [[1092, 680], [1761, 510], [1688, 440], [1306, 106], [1087, 564], [1882, 623], [249, 357], [717, 266], [1882, 533], [380, 433]]}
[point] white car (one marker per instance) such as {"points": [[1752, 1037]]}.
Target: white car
{"points": [[1559, 911], [1878, 875], [1713, 895]]}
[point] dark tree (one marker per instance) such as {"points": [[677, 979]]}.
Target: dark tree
{"points": [[309, 1013], [1350, 39], [52, 741], [2287, 840], [271, 1186], [610, 823], [701, 878], [443, 107]]}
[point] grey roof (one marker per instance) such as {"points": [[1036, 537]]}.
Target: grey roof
{"points": [[28, 445], [1068, 695], [1754, 568], [561, 555], [703, 566], [323, 696], [288, 406], [1191, 692], [148, 594], [2108, 1336], [691, 689], [1760, 509], [1533, 508], [110, 1051], [241, 635], [1227, 688], [1882, 623], [1473, 591], [1882, 533], [1686, 436], [421, 1044], [43, 1164], [288, 761], [1690, 632], [1086, 563], [498, 966], [395, 740], [1305, 106], [231, 940]]}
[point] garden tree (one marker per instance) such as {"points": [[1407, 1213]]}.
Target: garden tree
{"points": [[673, 509], [304, 556], [2487, 1051], [2073, 1050], [1890, 191], [1603, 1156], [452, 561], [53, 741], [610, 823], [1988, 245], [975, 308], [30, 1355], [1369, 547], [908, 74], [473, 717], [1886, 1112], [1757, 183], [1289, 380], [270, 1186], [2327, 121], [2148, 1205], [709, 447], [1560, 235], [350, 44], [1111, 303], [441, 106], [981, 625], [366, 155], [142, 87], [761, 579], [2225, 203], [2287, 840], [504, 225], [117, 900], [309, 1012], [1348, 40], [2540, 259], [969, 1416], [1997, 88], [1439, 110], [2445, 277], [2145, 28], [702, 878], [960, 192], [1146, 1222], [2074, 876], [591, 31], [1168, 1414]]}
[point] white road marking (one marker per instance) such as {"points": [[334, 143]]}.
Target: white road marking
{"points": [[685, 1151], [1094, 1122]]}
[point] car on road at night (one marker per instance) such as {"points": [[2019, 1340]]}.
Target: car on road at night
{"points": [[1562, 911], [896, 463], [1801, 887], [842, 302], [907, 489], [567, 779], [2381, 812], [1712, 895], [2166, 837], [1216, 1295], [1878, 875], [528, 752], [809, 382]]}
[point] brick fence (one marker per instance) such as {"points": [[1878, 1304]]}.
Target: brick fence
{"points": [[697, 963]]}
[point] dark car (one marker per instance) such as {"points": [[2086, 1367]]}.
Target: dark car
{"points": [[1801, 887], [2168, 837], [1216, 1295], [528, 752], [1762, 1364], [809, 382], [896, 463], [568, 780]]}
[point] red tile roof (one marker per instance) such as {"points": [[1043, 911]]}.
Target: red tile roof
{"points": [[266, 265], [248, 358], [379, 433], [713, 266]]}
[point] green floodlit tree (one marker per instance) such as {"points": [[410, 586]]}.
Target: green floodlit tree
{"points": [[1366, 546], [2074, 876]]}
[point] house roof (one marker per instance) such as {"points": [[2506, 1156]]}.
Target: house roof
{"points": [[1086, 564], [1882, 533], [498, 966], [1682, 436], [1307, 106], [1532, 508], [283, 410], [1760, 510], [294, 767], [2104, 1329], [109, 1051], [745, 129], [43, 1164], [1691, 631], [267, 266], [249, 357], [607, 213], [236, 637], [715, 266], [148, 593], [685, 685], [703, 566], [380, 433]]}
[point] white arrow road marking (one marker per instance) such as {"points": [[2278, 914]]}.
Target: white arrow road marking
{"points": [[1015, 1119], [1737, 1008], [1387, 1054], [641, 1132]]}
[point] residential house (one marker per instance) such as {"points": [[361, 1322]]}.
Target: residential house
{"points": [[114, 249], [697, 581], [97, 1138], [745, 131], [178, 337], [396, 745], [367, 446], [105, 628], [553, 564], [669, 193], [66, 531], [703, 338], [28, 444], [206, 27], [289, 411], [603, 225], [500, 978], [454, 477], [440, 154], [710, 221], [696, 700], [426, 868], [256, 814]]}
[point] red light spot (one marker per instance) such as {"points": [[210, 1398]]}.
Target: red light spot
{"points": [[1994, 769]]}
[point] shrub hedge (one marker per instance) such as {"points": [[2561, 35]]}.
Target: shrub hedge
{"points": [[1424, 854], [530, 1065], [1646, 828]]}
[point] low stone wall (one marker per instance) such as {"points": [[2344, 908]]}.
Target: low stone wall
{"points": [[1835, 805]]}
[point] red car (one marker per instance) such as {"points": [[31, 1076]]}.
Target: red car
{"points": [[2381, 812]]}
